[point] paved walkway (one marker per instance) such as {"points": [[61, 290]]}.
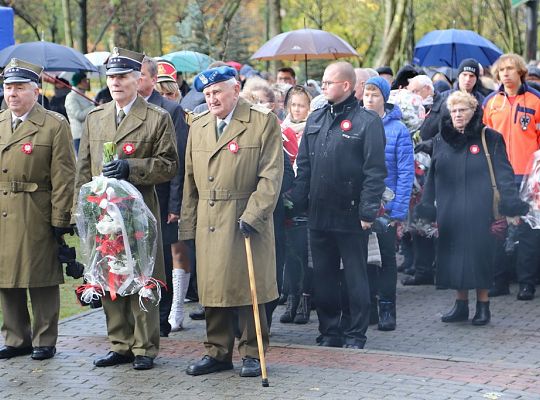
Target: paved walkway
{"points": [[422, 359]]}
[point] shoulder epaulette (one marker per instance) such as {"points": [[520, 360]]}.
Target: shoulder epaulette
{"points": [[195, 117], [98, 108], [56, 115]]}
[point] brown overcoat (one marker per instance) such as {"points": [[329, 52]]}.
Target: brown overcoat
{"points": [[36, 189], [150, 130], [222, 184]]}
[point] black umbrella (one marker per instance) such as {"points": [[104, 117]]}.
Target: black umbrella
{"points": [[51, 56]]}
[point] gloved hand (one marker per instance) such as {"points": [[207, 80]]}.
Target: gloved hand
{"points": [[425, 146], [246, 229], [59, 232], [118, 169]]}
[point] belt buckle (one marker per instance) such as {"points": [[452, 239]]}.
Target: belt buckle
{"points": [[212, 194], [14, 186]]}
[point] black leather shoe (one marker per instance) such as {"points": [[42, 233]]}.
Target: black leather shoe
{"points": [[460, 312], [143, 362], [113, 358], [250, 367], [416, 280], [197, 314], [409, 271], [282, 299], [526, 292], [331, 341], [482, 315], [10, 351], [499, 289], [43, 353], [207, 365]]}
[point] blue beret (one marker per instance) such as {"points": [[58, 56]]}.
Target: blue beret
{"points": [[382, 84], [213, 75]]}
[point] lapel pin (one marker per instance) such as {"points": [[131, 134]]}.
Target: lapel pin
{"points": [[233, 147], [346, 125], [27, 148], [129, 148]]}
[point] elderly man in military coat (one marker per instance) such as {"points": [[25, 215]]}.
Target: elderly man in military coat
{"points": [[147, 155], [37, 169], [234, 168]]}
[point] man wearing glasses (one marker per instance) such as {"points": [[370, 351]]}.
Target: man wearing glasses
{"points": [[341, 169]]}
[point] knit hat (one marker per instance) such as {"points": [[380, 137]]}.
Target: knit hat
{"points": [[469, 65], [382, 84], [77, 78]]}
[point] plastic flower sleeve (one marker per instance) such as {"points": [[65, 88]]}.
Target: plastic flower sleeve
{"points": [[118, 236], [530, 192]]}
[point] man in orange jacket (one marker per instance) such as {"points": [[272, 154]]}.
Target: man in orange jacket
{"points": [[514, 111]]}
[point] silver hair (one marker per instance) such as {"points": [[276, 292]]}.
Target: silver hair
{"points": [[136, 74], [423, 80], [151, 65]]}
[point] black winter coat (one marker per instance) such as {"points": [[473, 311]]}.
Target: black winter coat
{"points": [[459, 183], [341, 167], [170, 193]]}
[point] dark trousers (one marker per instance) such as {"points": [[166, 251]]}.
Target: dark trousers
{"points": [[424, 255], [297, 273], [383, 279], [279, 235], [528, 254], [166, 293], [327, 249], [220, 331]]}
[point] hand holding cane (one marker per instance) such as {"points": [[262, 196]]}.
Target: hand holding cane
{"points": [[256, 316]]}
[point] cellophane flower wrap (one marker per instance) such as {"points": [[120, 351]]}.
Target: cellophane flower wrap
{"points": [[118, 236], [530, 191]]}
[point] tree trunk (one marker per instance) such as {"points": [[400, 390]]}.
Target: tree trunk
{"points": [[395, 15], [82, 32], [67, 23], [274, 10]]}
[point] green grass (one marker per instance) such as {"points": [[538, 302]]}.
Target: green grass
{"points": [[68, 302]]}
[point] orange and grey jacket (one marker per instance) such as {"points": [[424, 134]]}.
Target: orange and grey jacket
{"points": [[519, 123]]}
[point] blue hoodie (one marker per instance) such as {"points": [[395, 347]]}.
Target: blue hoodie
{"points": [[399, 154]]}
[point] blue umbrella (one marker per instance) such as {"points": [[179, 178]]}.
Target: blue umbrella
{"points": [[447, 48], [51, 56], [189, 61]]}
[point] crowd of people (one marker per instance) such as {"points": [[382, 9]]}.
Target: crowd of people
{"points": [[329, 180]]}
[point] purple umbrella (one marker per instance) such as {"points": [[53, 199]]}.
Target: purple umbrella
{"points": [[304, 44]]}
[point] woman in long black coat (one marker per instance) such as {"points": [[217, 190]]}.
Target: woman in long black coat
{"points": [[459, 195]]}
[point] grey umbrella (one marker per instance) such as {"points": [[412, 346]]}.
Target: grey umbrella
{"points": [[51, 56], [304, 44]]}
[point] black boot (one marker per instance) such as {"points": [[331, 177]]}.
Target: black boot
{"points": [[482, 315], [290, 311], [303, 310], [387, 315], [460, 312], [373, 313]]}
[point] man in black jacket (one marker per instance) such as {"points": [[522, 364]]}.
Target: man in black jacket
{"points": [[341, 170], [169, 193]]}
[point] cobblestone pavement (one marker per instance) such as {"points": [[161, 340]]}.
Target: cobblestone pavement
{"points": [[422, 359]]}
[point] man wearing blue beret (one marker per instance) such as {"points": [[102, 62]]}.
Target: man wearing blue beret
{"points": [[234, 168]]}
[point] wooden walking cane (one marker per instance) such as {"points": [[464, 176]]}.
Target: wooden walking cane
{"points": [[256, 316]]}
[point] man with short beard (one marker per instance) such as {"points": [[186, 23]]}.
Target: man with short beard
{"points": [[340, 179]]}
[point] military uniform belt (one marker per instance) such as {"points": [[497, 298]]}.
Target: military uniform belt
{"points": [[222, 194], [16, 187]]}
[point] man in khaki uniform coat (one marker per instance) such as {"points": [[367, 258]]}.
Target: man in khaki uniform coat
{"points": [[234, 168], [152, 159], [36, 182]]}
